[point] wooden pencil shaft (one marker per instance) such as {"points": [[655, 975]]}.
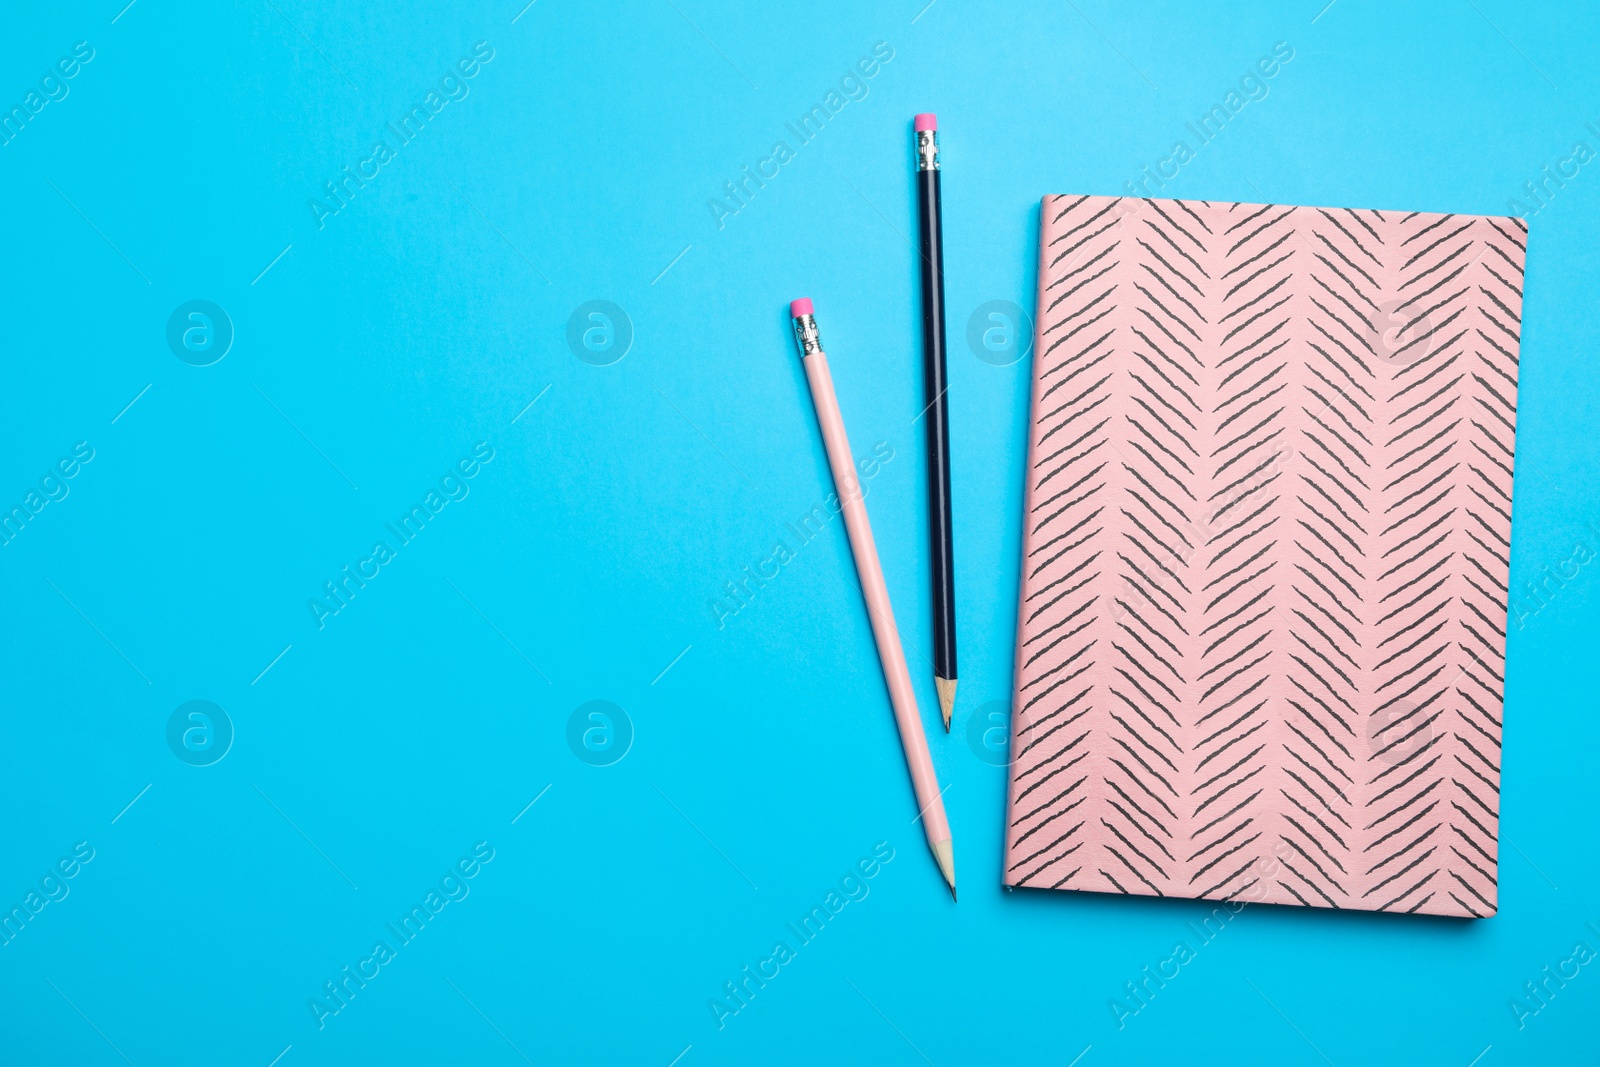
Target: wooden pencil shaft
{"points": [[880, 614], [935, 386]]}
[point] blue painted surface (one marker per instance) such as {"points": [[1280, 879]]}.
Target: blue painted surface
{"points": [[385, 349]]}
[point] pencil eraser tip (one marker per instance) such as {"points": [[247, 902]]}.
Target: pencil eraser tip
{"points": [[800, 307], [926, 122]]}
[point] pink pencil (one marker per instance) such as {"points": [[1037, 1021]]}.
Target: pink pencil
{"points": [[931, 804]]}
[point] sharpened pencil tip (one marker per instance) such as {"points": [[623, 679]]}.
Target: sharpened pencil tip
{"points": [[947, 698], [944, 855]]}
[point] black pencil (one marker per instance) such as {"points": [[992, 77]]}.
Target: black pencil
{"points": [[935, 387]]}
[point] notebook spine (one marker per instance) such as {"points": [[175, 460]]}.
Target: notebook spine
{"points": [[1028, 490]]}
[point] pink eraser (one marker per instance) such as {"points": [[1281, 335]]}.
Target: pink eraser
{"points": [[926, 122], [800, 307]]}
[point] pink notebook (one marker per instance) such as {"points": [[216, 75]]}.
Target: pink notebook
{"points": [[1266, 537]]}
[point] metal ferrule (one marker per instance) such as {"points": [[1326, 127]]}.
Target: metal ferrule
{"points": [[806, 336], [927, 150]]}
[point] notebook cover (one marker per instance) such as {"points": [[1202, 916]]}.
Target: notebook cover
{"points": [[1266, 537]]}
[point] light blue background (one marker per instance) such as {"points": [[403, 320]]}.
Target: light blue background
{"points": [[427, 314]]}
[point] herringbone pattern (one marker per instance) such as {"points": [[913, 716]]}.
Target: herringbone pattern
{"points": [[1266, 547]]}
